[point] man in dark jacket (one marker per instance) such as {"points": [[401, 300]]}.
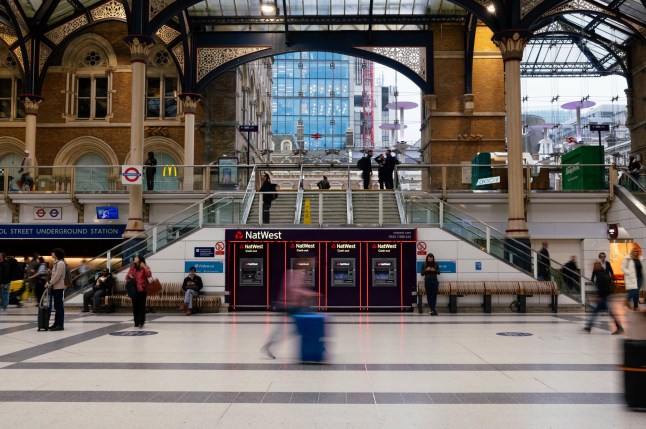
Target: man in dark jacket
{"points": [[151, 169], [365, 164], [389, 167], [192, 286], [268, 192], [101, 287], [544, 265]]}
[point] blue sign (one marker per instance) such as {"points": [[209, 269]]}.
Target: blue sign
{"points": [[204, 266], [80, 230], [478, 266], [204, 252], [514, 334], [133, 333], [448, 267]]}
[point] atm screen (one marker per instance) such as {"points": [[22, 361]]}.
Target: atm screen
{"points": [[381, 275], [248, 275], [341, 276]]}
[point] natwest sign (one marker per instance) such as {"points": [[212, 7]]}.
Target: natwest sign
{"points": [[258, 235]]}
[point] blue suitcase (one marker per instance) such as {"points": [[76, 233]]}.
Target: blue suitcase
{"points": [[311, 328]]}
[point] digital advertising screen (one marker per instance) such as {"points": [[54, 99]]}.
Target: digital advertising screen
{"points": [[107, 212]]}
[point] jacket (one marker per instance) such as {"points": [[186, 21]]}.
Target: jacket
{"points": [[196, 287], [630, 275], [57, 280], [140, 277]]}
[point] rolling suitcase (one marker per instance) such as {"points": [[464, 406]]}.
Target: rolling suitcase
{"points": [[43, 312], [635, 360], [311, 328]]}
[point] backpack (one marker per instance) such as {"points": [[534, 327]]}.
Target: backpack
{"points": [[16, 272], [360, 164], [68, 275]]}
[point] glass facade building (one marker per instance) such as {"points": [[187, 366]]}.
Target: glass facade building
{"points": [[325, 107]]}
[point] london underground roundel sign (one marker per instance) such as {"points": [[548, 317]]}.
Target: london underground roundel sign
{"points": [[131, 175]]}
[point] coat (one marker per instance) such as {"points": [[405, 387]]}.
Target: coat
{"points": [[57, 280], [630, 275], [140, 277]]}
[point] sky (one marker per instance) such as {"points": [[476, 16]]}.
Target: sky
{"points": [[539, 93]]}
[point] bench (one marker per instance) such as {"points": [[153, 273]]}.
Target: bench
{"points": [[170, 298], [522, 290]]}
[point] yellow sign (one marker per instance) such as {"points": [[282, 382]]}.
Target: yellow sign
{"points": [[307, 215], [169, 170]]}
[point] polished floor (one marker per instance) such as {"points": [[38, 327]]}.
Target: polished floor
{"points": [[382, 371]]}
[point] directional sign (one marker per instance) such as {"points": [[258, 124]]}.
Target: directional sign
{"points": [[131, 175], [488, 181], [248, 128], [599, 127]]}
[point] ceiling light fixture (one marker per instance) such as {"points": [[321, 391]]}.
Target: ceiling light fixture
{"points": [[268, 7], [491, 8]]}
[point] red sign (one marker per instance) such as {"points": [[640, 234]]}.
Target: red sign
{"points": [[131, 174], [421, 248], [219, 248], [316, 136]]}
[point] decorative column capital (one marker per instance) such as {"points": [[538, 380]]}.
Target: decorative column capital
{"points": [[512, 43], [31, 102], [139, 47], [430, 102], [190, 101]]}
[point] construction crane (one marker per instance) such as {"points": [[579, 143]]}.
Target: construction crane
{"points": [[367, 126]]}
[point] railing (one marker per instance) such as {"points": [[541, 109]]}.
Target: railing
{"points": [[249, 195], [427, 209], [153, 239], [454, 178]]}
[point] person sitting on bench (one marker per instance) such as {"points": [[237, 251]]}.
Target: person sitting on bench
{"points": [[191, 287], [101, 287]]}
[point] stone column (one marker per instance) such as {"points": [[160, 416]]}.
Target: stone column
{"points": [[511, 44], [430, 104], [32, 103], [190, 105], [139, 49]]}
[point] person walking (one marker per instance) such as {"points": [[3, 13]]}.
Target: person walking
{"points": [[26, 179], [56, 285], [365, 165], [151, 169], [544, 266], [430, 271], [633, 268], [607, 267], [5, 281], [323, 184], [192, 286], [603, 283], [268, 195], [634, 168], [389, 168], [139, 273]]}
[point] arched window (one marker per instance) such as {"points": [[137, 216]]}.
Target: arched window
{"points": [[167, 175], [89, 78], [10, 87], [286, 146], [11, 162], [91, 174], [161, 86]]}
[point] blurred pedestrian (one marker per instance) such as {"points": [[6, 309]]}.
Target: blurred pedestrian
{"points": [[5, 281], [634, 273], [390, 162], [634, 168], [571, 275], [381, 171], [39, 278], [602, 281], [294, 299], [151, 170], [365, 165], [26, 178], [544, 265], [268, 192]]}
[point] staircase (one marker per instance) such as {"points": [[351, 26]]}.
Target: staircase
{"points": [[282, 209], [335, 207], [365, 207]]}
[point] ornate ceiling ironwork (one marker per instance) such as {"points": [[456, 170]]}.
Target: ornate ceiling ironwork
{"points": [[208, 59], [412, 57]]}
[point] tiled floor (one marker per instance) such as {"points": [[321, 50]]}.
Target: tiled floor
{"points": [[383, 371]]}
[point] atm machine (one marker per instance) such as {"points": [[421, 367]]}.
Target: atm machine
{"points": [[384, 272], [307, 264], [343, 272], [251, 272]]}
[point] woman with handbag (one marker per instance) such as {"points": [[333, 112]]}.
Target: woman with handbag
{"points": [[139, 273]]}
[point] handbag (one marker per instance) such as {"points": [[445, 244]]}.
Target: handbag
{"points": [[154, 286], [131, 288]]}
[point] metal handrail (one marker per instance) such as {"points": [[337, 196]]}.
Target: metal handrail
{"points": [[250, 193]]}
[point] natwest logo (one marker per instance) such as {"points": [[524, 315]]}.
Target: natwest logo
{"points": [[239, 235], [260, 235]]}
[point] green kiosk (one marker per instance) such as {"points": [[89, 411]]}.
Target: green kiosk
{"points": [[576, 177]]}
